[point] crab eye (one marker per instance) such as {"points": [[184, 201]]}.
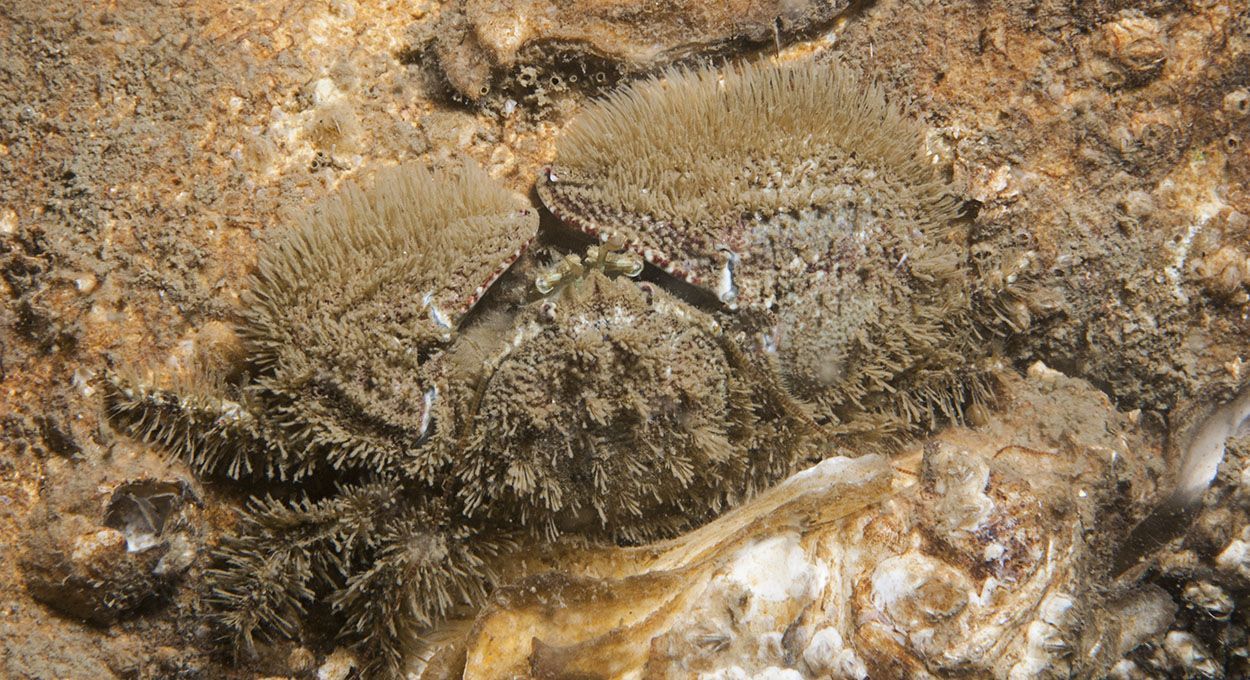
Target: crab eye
{"points": [[548, 311]]}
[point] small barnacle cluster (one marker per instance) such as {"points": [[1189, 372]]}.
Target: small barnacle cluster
{"points": [[1128, 51], [420, 408], [1221, 261]]}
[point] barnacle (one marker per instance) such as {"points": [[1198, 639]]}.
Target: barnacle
{"points": [[334, 128], [801, 197]]}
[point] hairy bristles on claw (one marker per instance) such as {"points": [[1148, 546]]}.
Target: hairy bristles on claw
{"points": [[800, 196], [347, 307], [786, 115], [413, 239], [684, 164]]}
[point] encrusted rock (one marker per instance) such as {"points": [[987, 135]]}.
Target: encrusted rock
{"points": [[478, 42], [84, 571], [1134, 49], [1221, 259]]}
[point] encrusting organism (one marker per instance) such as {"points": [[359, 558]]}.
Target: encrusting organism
{"points": [[421, 408]]}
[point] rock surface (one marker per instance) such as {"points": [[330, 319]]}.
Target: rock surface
{"points": [[481, 44], [1103, 147]]}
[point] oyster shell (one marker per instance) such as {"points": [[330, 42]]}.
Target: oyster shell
{"points": [[977, 553]]}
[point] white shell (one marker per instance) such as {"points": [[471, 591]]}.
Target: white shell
{"points": [[968, 554]]}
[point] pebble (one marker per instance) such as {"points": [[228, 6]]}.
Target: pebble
{"points": [[337, 665]]}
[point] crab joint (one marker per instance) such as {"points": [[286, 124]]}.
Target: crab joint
{"points": [[565, 270]]}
